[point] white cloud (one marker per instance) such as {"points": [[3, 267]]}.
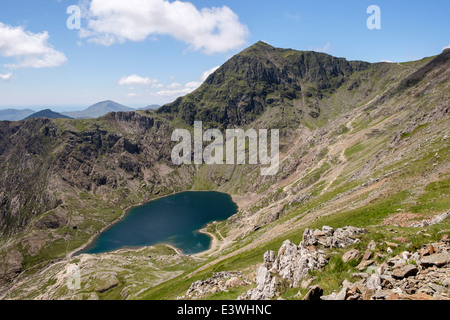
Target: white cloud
{"points": [[134, 79], [207, 73], [174, 93], [387, 61], [175, 85], [6, 77], [31, 50], [447, 47], [324, 49], [176, 89], [209, 30]]}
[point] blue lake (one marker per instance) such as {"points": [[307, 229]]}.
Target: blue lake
{"points": [[173, 220]]}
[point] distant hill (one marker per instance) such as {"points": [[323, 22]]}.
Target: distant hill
{"points": [[151, 107], [14, 114], [47, 114], [98, 110]]}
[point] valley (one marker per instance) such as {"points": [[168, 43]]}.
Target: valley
{"points": [[359, 143]]}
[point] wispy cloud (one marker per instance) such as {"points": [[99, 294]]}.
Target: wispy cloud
{"points": [[176, 89], [134, 79], [6, 76]]}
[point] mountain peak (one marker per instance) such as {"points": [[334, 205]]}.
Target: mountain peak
{"points": [[259, 47], [99, 109], [47, 113]]}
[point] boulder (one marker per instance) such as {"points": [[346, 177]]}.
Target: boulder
{"points": [[372, 246], [437, 259], [364, 264], [391, 244], [105, 282], [374, 282], [381, 295], [350, 255], [405, 271], [367, 255], [234, 282]]}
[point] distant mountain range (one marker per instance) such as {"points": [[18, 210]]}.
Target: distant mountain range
{"points": [[151, 107], [47, 114], [94, 111], [98, 110], [14, 114]]}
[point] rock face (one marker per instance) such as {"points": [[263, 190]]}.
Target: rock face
{"points": [[219, 282], [293, 262], [400, 279], [11, 267]]}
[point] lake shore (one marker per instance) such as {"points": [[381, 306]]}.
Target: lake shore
{"points": [[214, 241]]}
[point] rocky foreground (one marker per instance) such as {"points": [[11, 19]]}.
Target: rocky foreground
{"points": [[422, 275], [419, 275]]}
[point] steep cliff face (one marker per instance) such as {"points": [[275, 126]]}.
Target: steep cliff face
{"points": [[258, 78], [352, 133]]}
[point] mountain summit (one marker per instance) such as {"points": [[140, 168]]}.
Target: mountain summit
{"points": [[261, 77], [47, 114], [361, 144], [98, 110]]}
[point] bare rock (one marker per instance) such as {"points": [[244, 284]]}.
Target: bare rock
{"points": [[367, 255], [438, 259], [381, 295], [372, 246], [364, 264], [269, 258], [392, 244], [314, 294], [11, 266], [350, 255], [405, 271], [105, 282], [234, 282], [374, 282]]}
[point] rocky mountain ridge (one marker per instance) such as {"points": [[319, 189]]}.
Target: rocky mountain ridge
{"points": [[357, 140]]}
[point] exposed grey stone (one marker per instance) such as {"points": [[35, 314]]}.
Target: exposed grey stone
{"points": [[350, 255], [381, 295], [374, 282], [269, 258], [405, 271], [437, 259]]}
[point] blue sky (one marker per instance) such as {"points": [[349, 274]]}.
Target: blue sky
{"points": [[141, 52]]}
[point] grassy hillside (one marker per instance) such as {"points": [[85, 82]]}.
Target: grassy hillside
{"points": [[359, 143]]}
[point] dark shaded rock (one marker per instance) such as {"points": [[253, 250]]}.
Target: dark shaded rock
{"points": [[51, 221], [314, 294]]}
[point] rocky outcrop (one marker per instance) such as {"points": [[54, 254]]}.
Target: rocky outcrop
{"points": [[293, 263], [11, 266], [219, 282], [409, 276]]}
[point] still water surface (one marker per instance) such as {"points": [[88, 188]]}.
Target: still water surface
{"points": [[173, 220]]}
